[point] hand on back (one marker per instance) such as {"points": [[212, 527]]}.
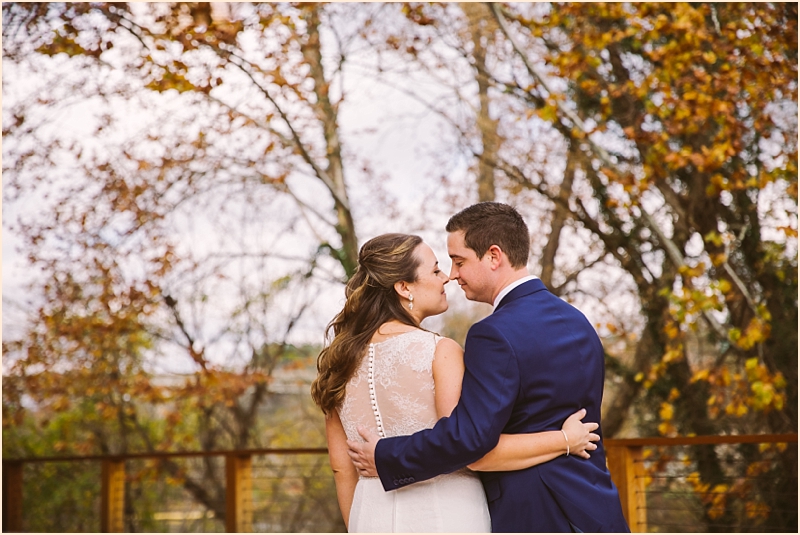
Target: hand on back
{"points": [[580, 437]]}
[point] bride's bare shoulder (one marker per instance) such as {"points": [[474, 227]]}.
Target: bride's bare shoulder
{"points": [[446, 347]]}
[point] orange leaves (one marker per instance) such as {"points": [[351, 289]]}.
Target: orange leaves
{"points": [[757, 510], [736, 391], [757, 331], [171, 80], [666, 413], [767, 389], [62, 44]]}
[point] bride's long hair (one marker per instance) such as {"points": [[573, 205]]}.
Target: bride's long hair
{"points": [[371, 301]]}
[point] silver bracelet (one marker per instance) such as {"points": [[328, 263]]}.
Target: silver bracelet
{"points": [[567, 439]]}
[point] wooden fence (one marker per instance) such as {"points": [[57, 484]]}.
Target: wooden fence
{"points": [[625, 462], [624, 456]]}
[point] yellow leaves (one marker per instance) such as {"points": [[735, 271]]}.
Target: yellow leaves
{"points": [[718, 501], [61, 403], [548, 113], [672, 355], [667, 429], [724, 285], [763, 395], [757, 331], [696, 271], [62, 44], [701, 375], [725, 376], [717, 183], [106, 411], [694, 480], [667, 411], [737, 408], [671, 330], [697, 160], [682, 113], [759, 467], [757, 510], [739, 394], [779, 381], [714, 238], [710, 57], [171, 80]]}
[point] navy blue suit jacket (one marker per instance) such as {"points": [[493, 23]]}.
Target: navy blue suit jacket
{"points": [[529, 365]]}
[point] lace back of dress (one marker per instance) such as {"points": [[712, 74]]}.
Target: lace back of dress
{"points": [[392, 393]]}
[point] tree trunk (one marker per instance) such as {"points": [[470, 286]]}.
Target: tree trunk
{"points": [[327, 113], [480, 30]]}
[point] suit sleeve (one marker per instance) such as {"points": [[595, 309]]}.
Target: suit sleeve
{"points": [[490, 388]]}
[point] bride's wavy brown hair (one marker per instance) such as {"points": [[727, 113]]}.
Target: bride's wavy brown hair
{"points": [[371, 302]]}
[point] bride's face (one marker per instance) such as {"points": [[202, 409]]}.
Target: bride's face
{"points": [[428, 289]]}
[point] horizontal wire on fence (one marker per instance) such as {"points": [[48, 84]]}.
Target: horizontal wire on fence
{"points": [[737, 478], [289, 492], [714, 525], [756, 529], [689, 492]]}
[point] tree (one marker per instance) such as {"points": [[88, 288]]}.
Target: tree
{"points": [[679, 119], [182, 109], [666, 139], [652, 147]]}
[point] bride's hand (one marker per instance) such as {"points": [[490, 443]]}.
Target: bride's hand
{"points": [[579, 434]]}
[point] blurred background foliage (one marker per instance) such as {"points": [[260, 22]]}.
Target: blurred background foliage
{"points": [[187, 186]]}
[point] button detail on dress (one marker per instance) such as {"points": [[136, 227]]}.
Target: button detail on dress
{"points": [[372, 396]]}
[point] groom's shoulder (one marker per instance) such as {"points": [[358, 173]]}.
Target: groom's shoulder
{"points": [[492, 322]]}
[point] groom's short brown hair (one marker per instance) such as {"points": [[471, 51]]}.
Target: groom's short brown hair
{"points": [[493, 223]]}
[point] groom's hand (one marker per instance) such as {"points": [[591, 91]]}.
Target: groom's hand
{"points": [[363, 453]]}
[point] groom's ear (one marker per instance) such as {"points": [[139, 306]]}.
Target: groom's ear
{"points": [[495, 256]]}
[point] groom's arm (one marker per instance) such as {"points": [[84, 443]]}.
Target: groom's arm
{"points": [[490, 387]]}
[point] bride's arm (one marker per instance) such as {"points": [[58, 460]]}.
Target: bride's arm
{"points": [[513, 452], [344, 473]]}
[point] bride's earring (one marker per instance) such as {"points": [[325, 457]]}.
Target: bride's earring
{"points": [[410, 302]]}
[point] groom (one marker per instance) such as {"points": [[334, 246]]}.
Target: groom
{"points": [[534, 361]]}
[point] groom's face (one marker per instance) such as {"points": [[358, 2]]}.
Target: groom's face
{"points": [[473, 274]]}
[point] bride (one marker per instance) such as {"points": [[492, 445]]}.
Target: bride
{"points": [[383, 372]]}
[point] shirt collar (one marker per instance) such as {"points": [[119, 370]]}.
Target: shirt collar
{"points": [[505, 291]]}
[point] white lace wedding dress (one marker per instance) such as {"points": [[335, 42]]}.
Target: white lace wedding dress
{"points": [[392, 394]]}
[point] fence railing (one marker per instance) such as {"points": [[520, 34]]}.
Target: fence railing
{"points": [[291, 490], [662, 489], [266, 490]]}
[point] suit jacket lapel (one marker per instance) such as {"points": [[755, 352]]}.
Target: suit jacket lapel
{"points": [[530, 287]]}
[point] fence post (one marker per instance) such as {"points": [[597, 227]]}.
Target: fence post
{"points": [[238, 494], [12, 496], [112, 499], [627, 472]]}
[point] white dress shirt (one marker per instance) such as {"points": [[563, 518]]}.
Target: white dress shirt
{"points": [[504, 292]]}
